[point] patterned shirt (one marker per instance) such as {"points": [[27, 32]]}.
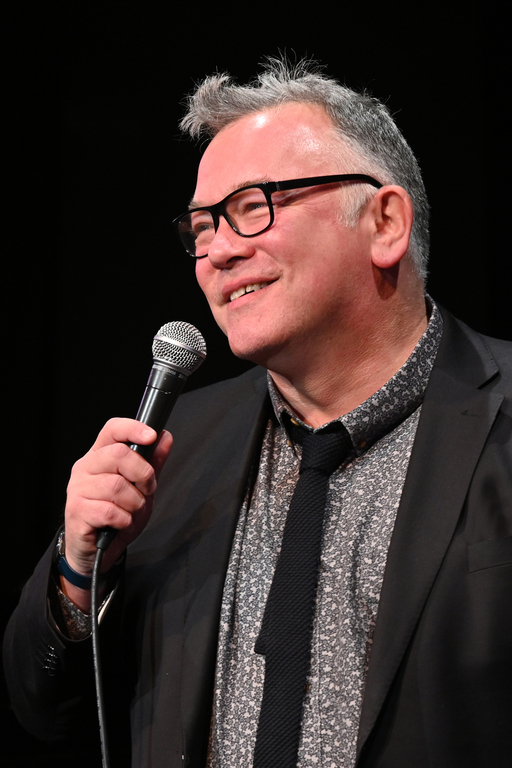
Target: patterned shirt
{"points": [[363, 498]]}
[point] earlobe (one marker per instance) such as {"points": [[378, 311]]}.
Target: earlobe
{"points": [[393, 217]]}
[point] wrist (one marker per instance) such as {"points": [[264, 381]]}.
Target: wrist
{"points": [[80, 580]]}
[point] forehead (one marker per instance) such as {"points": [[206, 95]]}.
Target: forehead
{"points": [[291, 141]]}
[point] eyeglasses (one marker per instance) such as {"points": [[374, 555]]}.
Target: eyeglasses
{"points": [[249, 211]]}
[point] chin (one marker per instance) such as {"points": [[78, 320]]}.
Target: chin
{"points": [[247, 353], [244, 348], [261, 353]]}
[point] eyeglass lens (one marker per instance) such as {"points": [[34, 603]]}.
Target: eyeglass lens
{"points": [[247, 211]]}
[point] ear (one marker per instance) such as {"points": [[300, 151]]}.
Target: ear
{"points": [[392, 216]]}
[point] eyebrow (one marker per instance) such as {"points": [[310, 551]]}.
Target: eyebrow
{"points": [[248, 183]]}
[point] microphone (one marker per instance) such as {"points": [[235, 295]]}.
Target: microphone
{"points": [[178, 350]]}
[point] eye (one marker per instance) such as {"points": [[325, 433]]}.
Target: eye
{"points": [[202, 226], [254, 205], [247, 203], [200, 222]]}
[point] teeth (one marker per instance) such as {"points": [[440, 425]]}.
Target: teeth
{"points": [[247, 289]]}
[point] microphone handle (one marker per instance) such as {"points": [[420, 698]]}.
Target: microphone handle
{"points": [[162, 390], [164, 386]]}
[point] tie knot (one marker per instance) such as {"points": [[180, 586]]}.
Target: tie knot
{"points": [[325, 451]]}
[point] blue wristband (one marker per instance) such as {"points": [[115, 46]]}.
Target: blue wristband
{"points": [[64, 568], [75, 578]]}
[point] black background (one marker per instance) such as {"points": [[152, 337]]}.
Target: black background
{"points": [[96, 170]]}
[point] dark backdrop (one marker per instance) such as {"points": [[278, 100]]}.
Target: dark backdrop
{"points": [[96, 169]]}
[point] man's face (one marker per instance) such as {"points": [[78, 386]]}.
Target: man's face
{"points": [[311, 269]]}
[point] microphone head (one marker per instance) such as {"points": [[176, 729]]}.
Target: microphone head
{"points": [[180, 346]]}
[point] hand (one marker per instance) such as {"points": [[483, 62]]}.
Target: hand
{"points": [[110, 486]]}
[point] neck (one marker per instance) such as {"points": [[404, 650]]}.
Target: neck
{"points": [[326, 384]]}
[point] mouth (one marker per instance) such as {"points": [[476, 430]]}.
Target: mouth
{"points": [[250, 288]]}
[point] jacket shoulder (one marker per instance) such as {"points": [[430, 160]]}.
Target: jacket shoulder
{"points": [[480, 360], [203, 408]]}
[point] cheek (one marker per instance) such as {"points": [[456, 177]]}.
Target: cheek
{"points": [[204, 275]]}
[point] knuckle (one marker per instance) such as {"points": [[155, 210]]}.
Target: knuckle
{"points": [[112, 423], [110, 513], [117, 485], [77, 469], [119, 451]]}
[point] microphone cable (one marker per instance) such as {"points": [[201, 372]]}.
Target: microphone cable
{"points": [[98, 679]]}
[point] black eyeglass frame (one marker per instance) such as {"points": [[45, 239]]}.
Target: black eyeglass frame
{"points": [[268, 188]]}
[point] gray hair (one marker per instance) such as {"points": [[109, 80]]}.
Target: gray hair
{"points": [[365, 126]]}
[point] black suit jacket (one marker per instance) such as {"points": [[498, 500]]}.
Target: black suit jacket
{"points": [[439, 688]]}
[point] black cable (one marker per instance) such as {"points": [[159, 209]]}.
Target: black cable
{"points": [[97, 658]]}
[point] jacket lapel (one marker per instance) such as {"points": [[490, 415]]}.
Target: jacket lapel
{"points": [[223, 487], [455, 421]]}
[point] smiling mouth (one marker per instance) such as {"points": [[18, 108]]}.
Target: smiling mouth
{"points": [[251, 288]]}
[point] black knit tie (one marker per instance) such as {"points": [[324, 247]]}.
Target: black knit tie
{"points": [[286, 631]]}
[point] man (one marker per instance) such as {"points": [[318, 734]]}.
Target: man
{"points": [[320, 282]]}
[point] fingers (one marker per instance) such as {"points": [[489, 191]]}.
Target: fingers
{"points": [[161, 452], [117, 459], [112, 486], [124, 431], [105, 498]]}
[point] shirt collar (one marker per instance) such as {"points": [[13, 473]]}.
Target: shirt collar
{"points": [[392, 403]]}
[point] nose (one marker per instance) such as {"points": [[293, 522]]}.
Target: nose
{"points": [[227, 246]]}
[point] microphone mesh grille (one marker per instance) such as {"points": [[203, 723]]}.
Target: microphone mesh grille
{"points": [[180, 345]]}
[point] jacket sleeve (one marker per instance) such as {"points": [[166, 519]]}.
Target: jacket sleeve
{"points": [[50, 678]]}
